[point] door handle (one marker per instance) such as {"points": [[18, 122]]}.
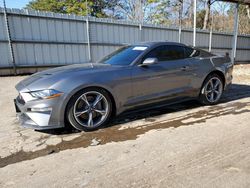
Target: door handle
{"points": [[184, 68]]}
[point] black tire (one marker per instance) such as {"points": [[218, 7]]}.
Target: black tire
{"points": [[70, 109], [202, 97]]}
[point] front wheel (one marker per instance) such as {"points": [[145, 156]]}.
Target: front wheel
{"points": [[89, 109], [212, 90]]}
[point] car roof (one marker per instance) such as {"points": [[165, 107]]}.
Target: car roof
{"points": [[156, 43]]}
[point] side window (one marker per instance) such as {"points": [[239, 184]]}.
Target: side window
{"points": [[166, 53], [190, 52], [158, 53], [176, 52]]}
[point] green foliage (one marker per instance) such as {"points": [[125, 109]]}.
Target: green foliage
{"points": [[155, 11], [78, 7], [161, 14]]}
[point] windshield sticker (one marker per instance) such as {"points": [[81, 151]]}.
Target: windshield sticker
{"points": [[141, 48]]}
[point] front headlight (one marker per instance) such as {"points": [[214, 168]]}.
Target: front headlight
{"points": [[45, 94]]}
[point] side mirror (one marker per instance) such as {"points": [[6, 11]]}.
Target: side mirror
{"points": [[149, 61]]}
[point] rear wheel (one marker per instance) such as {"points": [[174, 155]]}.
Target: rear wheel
{"points": [[212, 90], [89, 109]]}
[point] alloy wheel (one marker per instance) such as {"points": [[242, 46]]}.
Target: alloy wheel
{"points": [[91, 109], [213, 89]]}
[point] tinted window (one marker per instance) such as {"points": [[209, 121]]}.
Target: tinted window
{"points": [[123, 56], [166, 53], [190, 52]]}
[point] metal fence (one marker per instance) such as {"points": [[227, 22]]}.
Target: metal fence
{"points": [[42, 39]]}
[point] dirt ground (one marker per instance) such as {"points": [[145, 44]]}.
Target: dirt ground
{"points": [[185, 145]]}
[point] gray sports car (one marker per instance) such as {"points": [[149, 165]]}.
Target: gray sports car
{"points": [[88, 95]]}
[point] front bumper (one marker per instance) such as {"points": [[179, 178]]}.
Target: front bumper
{"points": [[39, 115]]}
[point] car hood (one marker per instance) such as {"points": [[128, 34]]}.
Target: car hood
{"points": [[55, 74]]}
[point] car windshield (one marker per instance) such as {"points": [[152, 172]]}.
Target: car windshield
{"points": [[123, 56]]}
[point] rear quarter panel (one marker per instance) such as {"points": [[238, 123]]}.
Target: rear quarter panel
{"points": [[200, 67], [203, 66], [225, 65]]}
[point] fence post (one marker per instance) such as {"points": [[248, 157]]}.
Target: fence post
{"points": [[180, 19], [9, 38], [194, 26], [88, 40], [141, 34], [211, 34], [235, 35]]}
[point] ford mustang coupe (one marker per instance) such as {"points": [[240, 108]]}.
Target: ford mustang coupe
{"points": [[134, 76]]}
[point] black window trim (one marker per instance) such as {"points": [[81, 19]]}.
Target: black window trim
{"points": [[183, 46], [195, 49]]}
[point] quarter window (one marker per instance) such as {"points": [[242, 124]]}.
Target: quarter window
{"points": [[190, 52]]}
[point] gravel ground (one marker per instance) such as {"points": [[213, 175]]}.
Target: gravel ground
{"points": [[185, 145]]}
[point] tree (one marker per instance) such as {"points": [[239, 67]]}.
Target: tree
{"points": [[248, 11], [141, 10], [200, 18], [244, 21], [207, 14], [78, 7], [161, 12]]}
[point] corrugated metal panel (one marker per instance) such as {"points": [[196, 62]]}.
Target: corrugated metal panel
{"points": [[4, 54], [100, 51], [3, 28], [187, 37], [243, 42], [243, 54], [220, 41]]}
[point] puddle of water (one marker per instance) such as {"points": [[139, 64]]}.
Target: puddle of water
{"points": [[115, 134]]}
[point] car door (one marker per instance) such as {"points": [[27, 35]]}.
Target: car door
{"points": [[169, 78]]}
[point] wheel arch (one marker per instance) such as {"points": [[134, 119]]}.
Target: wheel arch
{"points": [[74, 92], [219, 73]]}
